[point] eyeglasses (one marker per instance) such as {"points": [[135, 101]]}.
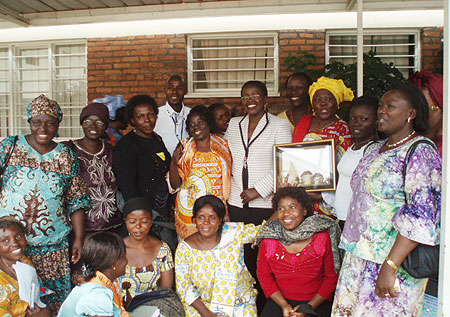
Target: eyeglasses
{"points": [[89, 122], [254, 97]]}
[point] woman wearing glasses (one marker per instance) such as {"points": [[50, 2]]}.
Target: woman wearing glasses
{"points": [[251, 139], [96, 168]]}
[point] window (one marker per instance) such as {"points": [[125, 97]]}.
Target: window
{"points": [[218, 65], [58, 70], [402, 48]]}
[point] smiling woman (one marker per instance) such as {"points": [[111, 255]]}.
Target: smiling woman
{"points": [[42, 188], [96, 168], [201, 165]]}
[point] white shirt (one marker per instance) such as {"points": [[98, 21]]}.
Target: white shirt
{"points": [[260, 158], [171, 125], [344, 193]]}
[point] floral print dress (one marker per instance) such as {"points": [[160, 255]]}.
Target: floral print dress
{"points": [[377, 214]]}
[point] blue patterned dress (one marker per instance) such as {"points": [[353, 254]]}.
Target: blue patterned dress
{"points": [[42, 191], [377, 214]]}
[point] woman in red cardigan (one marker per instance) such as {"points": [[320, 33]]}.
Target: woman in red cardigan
{"points": [[298, 258]]}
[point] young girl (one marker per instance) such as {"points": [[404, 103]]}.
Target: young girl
{"points": [[298, 257]]}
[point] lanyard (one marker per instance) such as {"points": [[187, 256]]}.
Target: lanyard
{"points": [[175, 121], [246, 149]]}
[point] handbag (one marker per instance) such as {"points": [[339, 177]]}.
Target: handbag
{"points": [[7, 157], [423, 261]]}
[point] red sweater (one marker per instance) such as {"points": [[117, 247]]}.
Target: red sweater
{"points": [[298, 276]]}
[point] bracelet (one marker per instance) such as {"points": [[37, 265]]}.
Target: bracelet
{"points": [[391, 264]]}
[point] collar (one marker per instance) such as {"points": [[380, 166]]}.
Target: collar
{"points": [[171, 112]]}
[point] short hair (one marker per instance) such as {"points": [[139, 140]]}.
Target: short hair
{"points": [[416, 100], [202, 112], [368, 101], [137, 101], [301, 75], [213, 201], [120, 115], [259, 84], [10, 221], [101, 250], [211, 115], [175, 76], [297, 193]]}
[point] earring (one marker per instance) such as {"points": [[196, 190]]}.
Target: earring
{"points": [[409, 120], [114, 268]]}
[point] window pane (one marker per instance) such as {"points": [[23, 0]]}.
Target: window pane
{"points": [[225, 64], [4, 91]]}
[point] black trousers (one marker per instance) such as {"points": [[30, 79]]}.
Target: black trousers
{"points": [[271, 309], [255, 216]]}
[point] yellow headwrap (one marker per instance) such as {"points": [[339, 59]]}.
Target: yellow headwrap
{"points": [[335, 86]]}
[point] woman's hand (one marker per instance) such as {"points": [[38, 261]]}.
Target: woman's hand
{"points": [[76, 250], [386, 281], [177, 153], [287, 310], [249, 195]]}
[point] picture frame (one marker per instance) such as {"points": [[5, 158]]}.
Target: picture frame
{"points": [[310, 164]]}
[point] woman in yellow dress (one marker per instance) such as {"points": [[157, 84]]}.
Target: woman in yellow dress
{"points": [[211, 276], [200, 165]]}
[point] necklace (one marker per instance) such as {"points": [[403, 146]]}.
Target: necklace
{"points": [[401, 141], [9, 267]]}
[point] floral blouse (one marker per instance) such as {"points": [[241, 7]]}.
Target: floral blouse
{"points": [[378, 210]]}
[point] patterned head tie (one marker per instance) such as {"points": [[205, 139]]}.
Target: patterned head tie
{"points": [[335, 86], [44, 105]]}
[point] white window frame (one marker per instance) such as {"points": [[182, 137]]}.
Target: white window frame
{"points": [[212, 92], [369, 32], [13, 125]]}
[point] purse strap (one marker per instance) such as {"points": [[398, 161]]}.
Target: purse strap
{"points": [[409, 153], [8, 156]]}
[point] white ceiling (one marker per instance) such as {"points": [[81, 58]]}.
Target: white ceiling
{"points": [[28, 13]]}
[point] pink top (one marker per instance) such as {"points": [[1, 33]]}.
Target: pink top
{"points": [[298, 276]]}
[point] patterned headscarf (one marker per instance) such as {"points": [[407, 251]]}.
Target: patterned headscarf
{"points": [[44, 105], [335, 86], [434, 83]]}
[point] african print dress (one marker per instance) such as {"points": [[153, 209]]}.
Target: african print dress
{"points": [[140, 280], [219, 276], [42, 191], [202, 173], [377, 214]]}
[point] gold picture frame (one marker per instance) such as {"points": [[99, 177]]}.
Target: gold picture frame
{"points": [[310, 164]]}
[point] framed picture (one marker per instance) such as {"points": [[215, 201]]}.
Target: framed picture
{"points": [[311, 165]]}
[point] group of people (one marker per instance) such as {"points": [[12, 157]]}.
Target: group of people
{"points": [[243, 250]]}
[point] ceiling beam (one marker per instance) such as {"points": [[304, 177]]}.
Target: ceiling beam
{"points": [[12, 16], [350, 5]]}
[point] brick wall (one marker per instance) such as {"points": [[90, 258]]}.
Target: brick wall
{"points": [[432, 49], [141, 64]]}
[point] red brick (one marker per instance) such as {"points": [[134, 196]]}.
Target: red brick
{"points": [[306, 35]]}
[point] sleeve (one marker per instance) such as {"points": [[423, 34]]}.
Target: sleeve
{"points": [[345, 139], [419, 220], [9, 297], [125, 167], [165, 255], [97, 302], [187, 291], [263, 270], [77, 194], [330, 277], [5, 147], [248, 233], [283, 134]]}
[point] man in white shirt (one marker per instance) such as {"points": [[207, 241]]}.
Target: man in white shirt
{"points": [[171, 122]]}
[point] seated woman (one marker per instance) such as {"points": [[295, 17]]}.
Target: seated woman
{"points": [[13, 263], [218, 116], [150, 262], [298, 257], [326, 96], [104, 260], [201, 165], [211, 276], [96, 169]]}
